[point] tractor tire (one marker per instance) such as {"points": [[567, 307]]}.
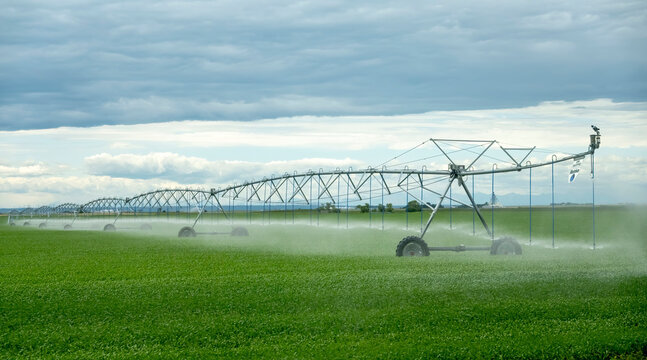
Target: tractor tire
{"points": [[186, 231], [239, 231], [12, 224], [412, 246], [109, 227], [146, 227], [67, 227], [42, 225], [505, 246], [26, 223]]}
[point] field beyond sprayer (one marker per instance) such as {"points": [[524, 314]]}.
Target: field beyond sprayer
{"points": [[297, 291]]}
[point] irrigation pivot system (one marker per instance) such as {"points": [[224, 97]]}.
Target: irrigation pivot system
{"points": [[337, 193]]}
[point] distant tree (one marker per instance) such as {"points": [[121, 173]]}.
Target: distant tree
{"points": [[380, 208], [329, 208], [363, 208], [413, 206], [389, 207]]}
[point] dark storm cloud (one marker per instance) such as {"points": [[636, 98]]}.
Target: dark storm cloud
{"points": [[81, 63]]}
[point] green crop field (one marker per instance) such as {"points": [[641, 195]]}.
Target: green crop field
{"points": [[299, 291]]}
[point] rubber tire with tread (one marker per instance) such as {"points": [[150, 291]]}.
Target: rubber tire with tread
{"points": [[12, 224], [400, 249], [26, 223], [42, 225], [109, 227], [505, 246], [186, 231], [67, 227], [239, 231]]}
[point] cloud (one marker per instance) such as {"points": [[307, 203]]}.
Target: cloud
{"points": [[193, 169], [154, 109], [94, 63], [37, 191], [29, 170], [553, 125]]}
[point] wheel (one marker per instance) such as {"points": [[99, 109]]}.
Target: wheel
{"points": [[26, 223], [42, 225], [146, 227], [186, 231], [12, 224], [67, 227], [239, 231], [412, 246], [505, 246], [109, 227]]}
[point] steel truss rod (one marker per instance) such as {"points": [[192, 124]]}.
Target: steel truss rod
{"points": [[435, 209], [300, 188], [525, 166], [276, 189], [447, 197], [331, 181], [518, 163], [474, 206]]}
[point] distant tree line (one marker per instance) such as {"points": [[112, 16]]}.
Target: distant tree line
{"points": [[379, 208]]}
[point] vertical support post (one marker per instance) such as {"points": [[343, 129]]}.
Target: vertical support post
{"points": [[285, 206], [310, 180], [337, 209], [473, 209], [347, 195], [494, 166], [370, 200], [422, 200], [552, 193], [593, 194], [264, 202], [318, 196], [529, 205], [450, 208], [406, 209], [383, 206]]}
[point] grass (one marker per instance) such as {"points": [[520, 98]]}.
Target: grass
{"points": [[307, 292]]}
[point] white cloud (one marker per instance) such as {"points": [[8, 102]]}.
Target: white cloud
{"points": [[191, 169], [36, 191], [555, 124], [120, 145], [30, 169]]}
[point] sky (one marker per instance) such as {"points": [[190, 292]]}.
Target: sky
{"points": [[106, 98]]}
